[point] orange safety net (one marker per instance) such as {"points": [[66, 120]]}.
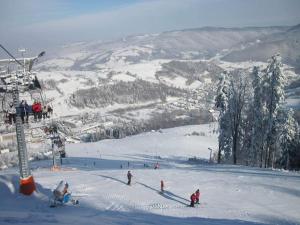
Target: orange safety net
{"points": [[27, 185]]}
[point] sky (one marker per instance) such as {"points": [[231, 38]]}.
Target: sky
{"points": [[45, 23]]}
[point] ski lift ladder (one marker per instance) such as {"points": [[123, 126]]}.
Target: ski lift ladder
{"points": [[27, 185]]}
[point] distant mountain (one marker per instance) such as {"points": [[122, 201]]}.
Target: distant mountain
{"points": [[164, 79], [287, 43], [202, 43]]}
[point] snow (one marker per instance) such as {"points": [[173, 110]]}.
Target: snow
{"points": [[77, 55], [244, 65], [144, 70], [229, 194], [61, 63], [123, 77], [179, 82], [132, 51]]}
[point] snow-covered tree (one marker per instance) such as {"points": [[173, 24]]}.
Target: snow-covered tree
{"points": [[221, 100], [236, 103], [255, 128], [258, 132], [289, 136], [274, 93], [230, 101]]}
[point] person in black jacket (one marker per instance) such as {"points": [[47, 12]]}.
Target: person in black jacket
{"points": [[24, 110], [129, 176]]}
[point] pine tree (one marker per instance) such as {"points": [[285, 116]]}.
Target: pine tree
{"points": [[236, 103], [274, 92], [222, 105], [289, 137], [259, 116]]}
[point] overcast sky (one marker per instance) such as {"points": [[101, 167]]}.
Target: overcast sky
{"points": [[44, 23]]}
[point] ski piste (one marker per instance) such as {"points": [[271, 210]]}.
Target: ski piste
{"points": [[102, 190]]}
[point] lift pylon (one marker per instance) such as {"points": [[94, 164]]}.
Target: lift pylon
{"points": [[27, 184]]}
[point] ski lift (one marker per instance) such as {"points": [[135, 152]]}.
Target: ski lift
{"points": [[27, 184], [26, 80]]}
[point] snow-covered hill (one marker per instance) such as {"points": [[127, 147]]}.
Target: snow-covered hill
{"points": [[186, 59], [146, 82], [286, 43], [96, 173]]}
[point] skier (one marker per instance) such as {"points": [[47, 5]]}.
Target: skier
{"points": [[193, 199], [129, 176], [197, 193], [162, 185]]}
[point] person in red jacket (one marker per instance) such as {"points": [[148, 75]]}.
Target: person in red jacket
{"points": [[193, 200], [197, 193], [37, 110]]}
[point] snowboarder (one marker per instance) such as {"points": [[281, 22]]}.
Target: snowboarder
{"points": [[129, 176], [162, 185], [193, 199], [197, 193], [62, 195]]}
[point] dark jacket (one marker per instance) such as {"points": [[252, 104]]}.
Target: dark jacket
{"points": [[25, 108], [129, 175]]}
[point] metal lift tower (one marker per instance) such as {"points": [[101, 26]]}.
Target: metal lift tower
{"points": [[27, 185]]}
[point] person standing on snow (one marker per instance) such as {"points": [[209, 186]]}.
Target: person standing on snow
{"points": [[129, 176], [197, 193], [162, 185], [193, 200]]}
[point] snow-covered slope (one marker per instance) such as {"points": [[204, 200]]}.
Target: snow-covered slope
{"points": [[229, 194]]}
